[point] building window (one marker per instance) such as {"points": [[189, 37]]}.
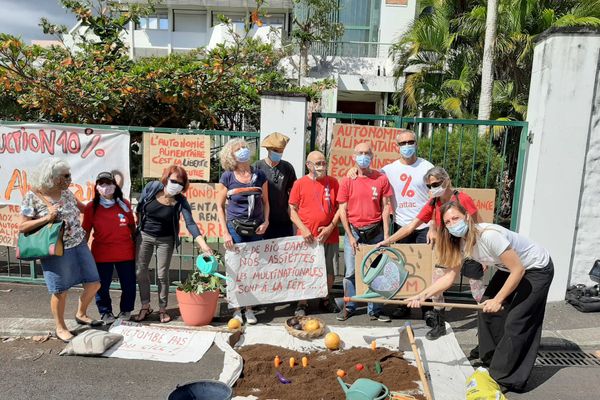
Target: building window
{"points": [[234, 17], [158, 21], [189, 21]]}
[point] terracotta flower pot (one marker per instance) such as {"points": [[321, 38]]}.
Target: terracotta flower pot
{"points": [[197, 309]]}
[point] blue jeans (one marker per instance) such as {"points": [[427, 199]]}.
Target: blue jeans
{"points": [[241, 239], [349, 278], [126, 273]]}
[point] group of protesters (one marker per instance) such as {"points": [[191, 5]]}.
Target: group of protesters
{"points": [[265, 200]]}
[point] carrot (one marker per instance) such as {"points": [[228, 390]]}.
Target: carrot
{"points": [[277, 361], [304, 362], [292, 362]]}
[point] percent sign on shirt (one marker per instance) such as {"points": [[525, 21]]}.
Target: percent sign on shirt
{"points": [[405, 191]]}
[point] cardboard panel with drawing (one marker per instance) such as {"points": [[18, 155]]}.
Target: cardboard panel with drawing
{"points": [[418, 264]]}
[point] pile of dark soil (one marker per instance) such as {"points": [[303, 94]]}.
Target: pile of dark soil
{"points": [[319, 380]]}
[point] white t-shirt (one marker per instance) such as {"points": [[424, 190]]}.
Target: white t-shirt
{"points": [[410, 192], [495, 239]]}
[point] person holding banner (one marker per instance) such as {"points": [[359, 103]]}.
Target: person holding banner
{"points": [[441, 191], [510, 327], [365, 204], [159, 209], [50, 199], [281, 177], [242, 202], [314, 211], [113, 246]]}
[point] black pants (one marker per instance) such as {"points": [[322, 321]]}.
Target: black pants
{"points": [[279, 229], [509, 340], [418, 236]]}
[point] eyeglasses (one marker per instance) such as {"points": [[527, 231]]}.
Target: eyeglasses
{"points": [[319, 163], [176, 182], [411, 142], [434, 184]]}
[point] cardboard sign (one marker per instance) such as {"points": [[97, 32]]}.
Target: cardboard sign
{"points": [[346, 137], [159, 344], [418, 264], [484, 200], [162, 150], [88, 151], [9, 225], [277, 270], [203, 201]]}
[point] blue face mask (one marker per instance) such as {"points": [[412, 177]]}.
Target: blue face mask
{"points": [[408, 150], [242, 155], [459, 229], [363, 160], [275, 157]]}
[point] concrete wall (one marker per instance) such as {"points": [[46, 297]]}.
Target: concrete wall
{"points": [[395, 19], [560, 195], [287, 115]]}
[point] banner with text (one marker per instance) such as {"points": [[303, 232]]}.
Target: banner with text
{"points": [[88, 151], [154, 343], [9, 225], [203, 201], [274, 271], [419, 265], [162, 150], [484, 200], [346, 137]]}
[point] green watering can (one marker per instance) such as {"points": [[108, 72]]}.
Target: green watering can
{"points": [[365, 389], [385, 275], [208, 265]]}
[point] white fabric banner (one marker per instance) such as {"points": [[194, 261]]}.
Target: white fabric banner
{"points": [[142, 342], [88, 151], [274, 271]]}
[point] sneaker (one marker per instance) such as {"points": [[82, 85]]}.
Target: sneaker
{"points": [[124, 315], [250, 317], [238, 315], [377, 316], [108, 318], [344, 314], [300, 310]]}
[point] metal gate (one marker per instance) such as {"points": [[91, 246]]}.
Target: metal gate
{"points": [[14, 270], [476, 154]]}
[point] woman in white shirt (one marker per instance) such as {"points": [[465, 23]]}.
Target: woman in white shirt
{"points": [[510, 327]]}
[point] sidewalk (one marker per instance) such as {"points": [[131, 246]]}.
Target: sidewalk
{"points": [[25, 311]]}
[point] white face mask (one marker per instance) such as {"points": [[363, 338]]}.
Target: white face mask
{"points": [[173, 189], [437, 191]]}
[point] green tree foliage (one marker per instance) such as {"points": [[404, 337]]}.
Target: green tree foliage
{"points": [[441, 53], [314, 21], [469, 158], [99, 84]]}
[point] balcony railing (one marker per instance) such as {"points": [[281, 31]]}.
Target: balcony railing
{"points": [[351, 49]]}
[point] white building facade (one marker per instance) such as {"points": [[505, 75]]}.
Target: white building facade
{"points": [[359, 61]]}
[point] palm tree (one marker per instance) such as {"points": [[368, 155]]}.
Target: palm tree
{"points": [[487, 72], [441, 54]]}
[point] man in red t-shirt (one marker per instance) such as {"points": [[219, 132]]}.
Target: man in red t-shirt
{"points": [[363, 203], [314, 211]]}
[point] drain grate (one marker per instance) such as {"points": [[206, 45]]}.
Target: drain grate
{"points": [[566, 359]]}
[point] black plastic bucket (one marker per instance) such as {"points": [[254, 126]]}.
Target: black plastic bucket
{"points": [[206, 389]]}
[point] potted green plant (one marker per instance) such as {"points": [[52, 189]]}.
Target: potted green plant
{"points": [[198, 296]]}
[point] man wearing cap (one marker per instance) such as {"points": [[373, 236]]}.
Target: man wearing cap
{"points": [[281, 177]]}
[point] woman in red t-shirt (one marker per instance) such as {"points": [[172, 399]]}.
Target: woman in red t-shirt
{"points": [[111, 218]]}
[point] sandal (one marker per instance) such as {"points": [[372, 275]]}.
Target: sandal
{"points": [[164, 317], [143, 314]]}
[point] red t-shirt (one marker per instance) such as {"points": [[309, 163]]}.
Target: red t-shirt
{"points": [[426, 213], [316, 203], [112, 241], [364, 196]]}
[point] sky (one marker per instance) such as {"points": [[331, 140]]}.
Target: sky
{"points": [[21, 17]]}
